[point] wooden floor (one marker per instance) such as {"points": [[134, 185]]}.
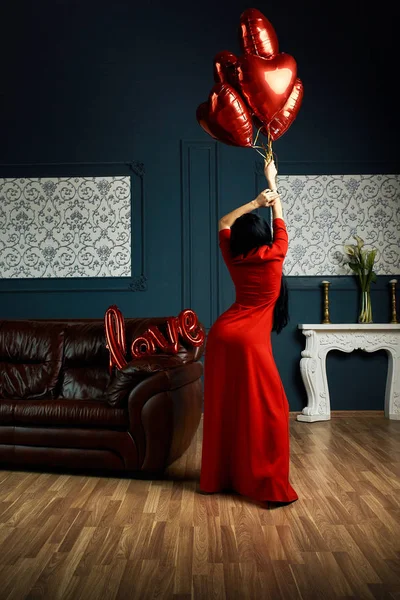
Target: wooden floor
{"points": [[85, 537]]}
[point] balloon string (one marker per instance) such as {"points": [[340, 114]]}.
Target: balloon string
{"points": [[260, 153], [267, 149], [258, 133]]}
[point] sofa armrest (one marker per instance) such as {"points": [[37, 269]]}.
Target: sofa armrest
{"points": [[126, 379], [159, 388]]}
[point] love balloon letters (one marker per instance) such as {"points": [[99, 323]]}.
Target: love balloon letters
{"points": [[185, 326]]}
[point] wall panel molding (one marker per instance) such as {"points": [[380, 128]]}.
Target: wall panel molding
{"points": [[135, 171], [199, 217]]}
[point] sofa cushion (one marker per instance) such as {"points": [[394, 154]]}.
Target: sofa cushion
{"points": [[86, 361], [129, 377], [79, 413], [30, 359]]}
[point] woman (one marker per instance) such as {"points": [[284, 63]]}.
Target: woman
{"points": [[246, 412]]}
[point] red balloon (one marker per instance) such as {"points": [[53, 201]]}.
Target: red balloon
{"points": [[256, 34], [143, 346], [189, 327], [115, 336], [266, 83], [226, 117], [170, 345], [225, 68], [202, 118], [285, 117], [185, 325]]}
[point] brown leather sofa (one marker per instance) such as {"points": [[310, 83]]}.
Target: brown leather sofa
{"points": [[59, 407]]}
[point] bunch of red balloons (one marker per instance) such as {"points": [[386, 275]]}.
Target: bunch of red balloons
{"points": [[259, 88]]}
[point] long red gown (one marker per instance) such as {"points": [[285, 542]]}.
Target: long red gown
{"points": [[246, 412]]}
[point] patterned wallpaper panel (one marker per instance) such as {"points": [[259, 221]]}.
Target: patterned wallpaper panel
{"points": [[323, 212], [65, 227], [81, 226]]}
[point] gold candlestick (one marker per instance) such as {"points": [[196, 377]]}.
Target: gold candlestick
{"points": [[326, 285], [393, 289]]}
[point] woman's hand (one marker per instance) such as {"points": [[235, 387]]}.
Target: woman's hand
{"points": [[270, 172], [266, 198]]}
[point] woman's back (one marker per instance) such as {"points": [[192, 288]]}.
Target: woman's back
{"points": [[257, 276]]}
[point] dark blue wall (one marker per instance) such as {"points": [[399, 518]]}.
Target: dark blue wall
{"points": [[99, 82]]}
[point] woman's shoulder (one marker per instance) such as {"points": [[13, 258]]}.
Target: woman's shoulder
{"points": [[224, 233], [279, 222]]}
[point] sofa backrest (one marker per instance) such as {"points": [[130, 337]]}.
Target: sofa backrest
{"points": [[30, 359], [72, 351], [85, 373]]}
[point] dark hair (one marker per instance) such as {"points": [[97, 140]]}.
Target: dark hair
{"points": [[248, 232]]}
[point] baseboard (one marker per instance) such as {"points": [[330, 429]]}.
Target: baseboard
{"points": [[339, 414]]}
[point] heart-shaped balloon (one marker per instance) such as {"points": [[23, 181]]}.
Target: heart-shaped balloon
{"points": [[202, 116], [285, 117], [226, 117], [225, 68], [256, 34], [266, 83]]}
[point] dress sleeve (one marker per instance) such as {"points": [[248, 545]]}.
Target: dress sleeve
{"points": [[224, 236], [279, 247], [280, 242]]}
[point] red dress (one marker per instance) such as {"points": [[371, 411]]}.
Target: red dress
{"points": [[246, 412]]}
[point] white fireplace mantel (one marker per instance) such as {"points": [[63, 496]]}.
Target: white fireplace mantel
{"points": [[321, 339]]}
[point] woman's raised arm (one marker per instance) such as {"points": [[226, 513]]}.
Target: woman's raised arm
{"points": [[265, 198], [271, 172]]}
